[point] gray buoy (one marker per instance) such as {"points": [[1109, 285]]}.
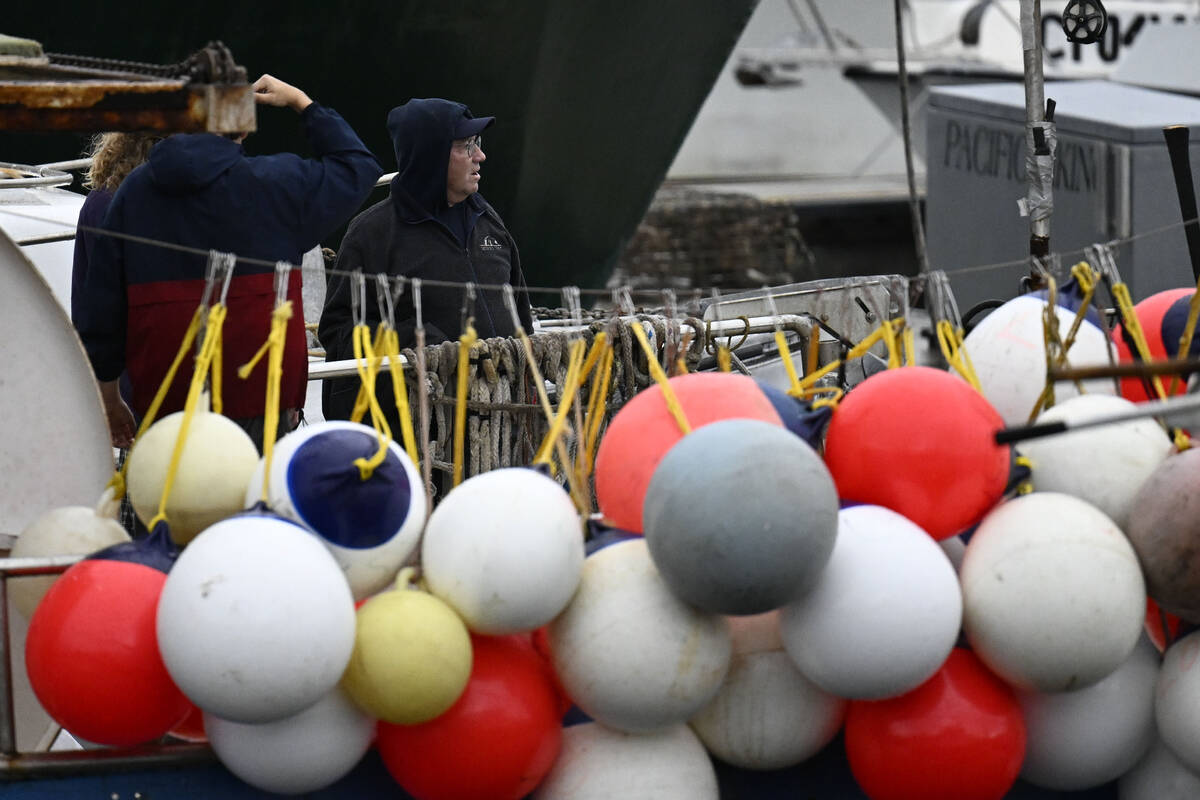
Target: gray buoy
{"points": [[740, 517]]}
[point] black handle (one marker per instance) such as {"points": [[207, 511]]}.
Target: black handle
{"points": [[1181, 166], [1020, 434]]}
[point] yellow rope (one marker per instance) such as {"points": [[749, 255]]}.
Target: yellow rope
{"points": [[570, 389], [1185, 339], [1133, 326], [361, 402], [460, 406], [540, 386], [391, 349], [208, 350], [724, 358], [1052, 345], [1025, 486], [889, 338], [597, 403], [814, 351], [218, 405], [785, 354], [910, 346], [951, 342], [273, 349], [117, 482], [661, 379], [367, 366]]}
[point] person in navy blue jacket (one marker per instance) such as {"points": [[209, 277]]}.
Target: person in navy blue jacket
{"points": [[202, 191]]}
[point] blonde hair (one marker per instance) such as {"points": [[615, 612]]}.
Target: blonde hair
{"points": [[115, 155]]}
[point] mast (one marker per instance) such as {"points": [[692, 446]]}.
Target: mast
{"points": [[1040, 139]]}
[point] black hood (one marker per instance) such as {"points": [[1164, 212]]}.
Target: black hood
{"points": [[187, 162], [422, 132]]}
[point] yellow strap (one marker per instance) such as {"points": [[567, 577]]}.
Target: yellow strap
{"points": [[1185, 339], [208, 350], [391, 347], [660, 378], [724, 358], [1086, 278], [814, 350], [889, 339], [951, 341], [273, 348], [364, 357], [597, 403], [835, 396], [361, 403], [1025, 486], [539, 383], [910, 346], [785, 354], [117, 482], [1133, 326], [465, 341], [570, 389], [217, 368], [1052, 345]]}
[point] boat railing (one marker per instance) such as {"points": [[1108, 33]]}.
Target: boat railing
{"points": [[799, 323]]}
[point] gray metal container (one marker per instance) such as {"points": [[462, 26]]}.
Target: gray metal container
{"points": [[1113, 180]]}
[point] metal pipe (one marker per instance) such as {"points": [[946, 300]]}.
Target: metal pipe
{"points": [[323, 370], [8, 716], [48, 238], [65, 166], [1035, 104], [44, 565], [1166, 409], [914, 203], [34, 176], [61, 764]]}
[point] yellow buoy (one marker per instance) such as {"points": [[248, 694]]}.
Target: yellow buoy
{"points": [[210, 483], [412, 656]]}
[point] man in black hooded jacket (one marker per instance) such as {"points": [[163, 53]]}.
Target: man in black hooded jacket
{"points": [[435, 225]]}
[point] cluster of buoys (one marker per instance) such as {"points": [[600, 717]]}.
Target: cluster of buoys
{"points": [[761, 589]]}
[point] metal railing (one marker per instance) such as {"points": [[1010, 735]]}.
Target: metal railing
{"points": [[16, 765]]}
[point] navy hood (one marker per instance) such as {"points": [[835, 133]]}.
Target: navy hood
{"points": [[186, 162], [422, 132]]}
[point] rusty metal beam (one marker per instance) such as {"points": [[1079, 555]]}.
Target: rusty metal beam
{"points": [[107, 105]]}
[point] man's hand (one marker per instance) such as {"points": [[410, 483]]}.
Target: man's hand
{"points": [[274, 92], [120, 419]]}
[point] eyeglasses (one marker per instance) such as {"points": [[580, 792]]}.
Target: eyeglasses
{"points": [[469, 146]]}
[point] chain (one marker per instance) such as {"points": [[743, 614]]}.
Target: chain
{"points": [[212, 64]]}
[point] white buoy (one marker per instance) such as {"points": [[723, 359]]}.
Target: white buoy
{"points": [[1053, 596], [1082, 739], [214, 469], [370, 526], [1177, 700], [255, 622], [629, 652], [504, 549], [67, 531], [767, 715], [299, 754], [1159, 775], [597, 763], [1104, 465], [884, 614], [1007, 349], [754, 555]]}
